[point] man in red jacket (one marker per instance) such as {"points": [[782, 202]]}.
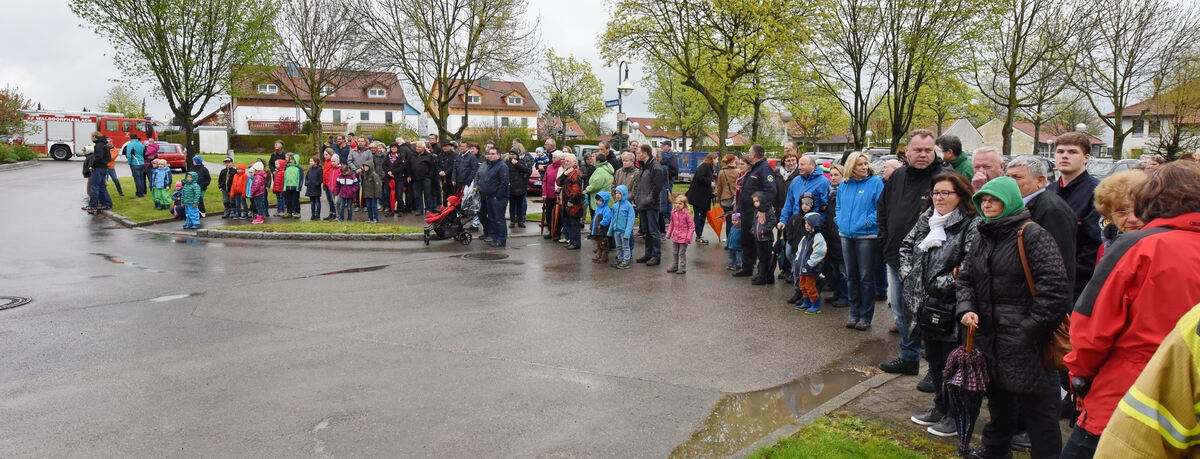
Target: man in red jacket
{"points": [[1141, 288]]}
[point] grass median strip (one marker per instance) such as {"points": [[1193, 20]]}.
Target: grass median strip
{"points": [[853, 438], [326, 227]]}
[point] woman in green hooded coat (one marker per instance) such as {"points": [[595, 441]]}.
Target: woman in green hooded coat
{"points": [[601, 180]]}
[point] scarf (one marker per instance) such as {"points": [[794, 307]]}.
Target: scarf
{"points": [[937, 230]]}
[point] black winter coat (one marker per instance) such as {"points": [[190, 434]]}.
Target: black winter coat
{"points": [[700, 192], [203, 177], [1052, 213], [649, 186], [759, 179], [905, 196], [518, 175], [396, 167], [1078, 195], [423, 166], [101, 154], [225, 179], [1013, 325], [833, 257], [928, 276], [312, 181]]}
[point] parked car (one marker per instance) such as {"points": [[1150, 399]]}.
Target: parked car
{"points": [[1104, 167], [174, 153]]}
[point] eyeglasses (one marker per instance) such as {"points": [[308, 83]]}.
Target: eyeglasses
{"points": [[941, 194], [1122, 213]]}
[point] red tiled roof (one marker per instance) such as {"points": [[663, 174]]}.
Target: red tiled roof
{"points": [[835, 139], [738, 138], [1049, 131], [650, 127], [494, 97], [354, 91]]}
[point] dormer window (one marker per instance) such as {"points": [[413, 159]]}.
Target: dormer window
{"points": [[377, 92], [473, 98], [268, 88], [326, 90], [515, 100]]}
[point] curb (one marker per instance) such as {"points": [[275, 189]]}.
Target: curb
{"points": [[19, 165], [816, 413], [130, 223], [218, 233]]}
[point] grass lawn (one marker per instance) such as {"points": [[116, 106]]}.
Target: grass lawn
{"points": [[142, 209], [326, 227], [533, 217], [239, 158], [853, 438]]}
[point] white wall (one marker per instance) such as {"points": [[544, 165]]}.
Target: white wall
{"points": [[351, 116], [488, 119]]}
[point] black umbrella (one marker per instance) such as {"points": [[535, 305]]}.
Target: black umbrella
{"points": [[965, 380]]}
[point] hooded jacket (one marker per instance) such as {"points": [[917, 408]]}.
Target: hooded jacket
{"points": [[203, 177], [649, 186], [857, 206], [1144, 284], [604, 215], [313, 179], [191, 193], [238, 187], [904, 197], [160, 177], [623, 214], [627, 176], [258, 184], [101, 154], [1014, 326], [764, 231], [683, 226], [279, 174], [291, 176], [601, 180], [347, 185], [928, 276], [518, 175], [372, 187], [812, 248], [494, 181]]}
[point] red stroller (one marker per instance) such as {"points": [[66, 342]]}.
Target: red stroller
{"points": [[447, 224]]}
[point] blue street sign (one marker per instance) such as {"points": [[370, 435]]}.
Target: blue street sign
{"points": [[612, 103]]}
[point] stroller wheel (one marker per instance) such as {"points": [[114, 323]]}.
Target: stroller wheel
{"points": [[464, 238]]}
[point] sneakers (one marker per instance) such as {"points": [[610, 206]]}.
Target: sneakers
{"points": [[851, 323], [257, 220], [672, 269], [929, 417], [643, 259], [897, 366], [944, 428], [862, 325], [926, 384], [653, 262], [1020, 442], [623, 265]]}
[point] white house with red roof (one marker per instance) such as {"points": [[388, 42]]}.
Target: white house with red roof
{"points": [[490, 105]]}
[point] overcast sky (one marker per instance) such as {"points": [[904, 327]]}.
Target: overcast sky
{"points": [[55, 61]]}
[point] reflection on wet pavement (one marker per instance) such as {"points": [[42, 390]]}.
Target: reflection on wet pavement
{"points": [[118, 261], [366, 269], [741, 419], [180, 296]]}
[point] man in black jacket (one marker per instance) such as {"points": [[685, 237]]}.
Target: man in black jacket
{"points": [[520, 168], [759, 179], [648, 198], [1046, 209], [422, 169], [905, 196], [493, 190], [445, 164], [98, 198], [1072, 151]]}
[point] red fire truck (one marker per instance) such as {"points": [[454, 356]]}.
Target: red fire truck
{"points": [[65, 134]]}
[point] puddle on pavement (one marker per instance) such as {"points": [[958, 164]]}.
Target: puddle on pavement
{"points": [[366, 269], [742, 419], [118, 261], [163, 299]]}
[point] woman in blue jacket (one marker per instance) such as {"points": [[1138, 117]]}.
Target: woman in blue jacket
{"points": [[859, 233]]}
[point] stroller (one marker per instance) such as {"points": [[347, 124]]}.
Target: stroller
{"points": [[449, 222]]}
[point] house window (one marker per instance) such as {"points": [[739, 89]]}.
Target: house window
{"points": [[387, 117], [504, 121], [337, 116], [376, 92], [268, 88], [473, 98], [515, 100], [326, 90], [364, 116], [1155, 127], [1139, 128]]}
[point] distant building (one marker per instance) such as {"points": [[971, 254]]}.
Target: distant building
{"points": [[654, 131], [548, 129], [1022, 137], [1149, 120], [971, 138], [490, 105], [370, 101]]}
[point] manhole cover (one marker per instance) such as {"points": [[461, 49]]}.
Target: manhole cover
{"points": [[485, 256], [9, 302]]}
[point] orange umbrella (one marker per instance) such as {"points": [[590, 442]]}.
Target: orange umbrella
{"points": [[716, 217]]}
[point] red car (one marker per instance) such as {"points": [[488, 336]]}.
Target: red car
{"points": [[174, 153]]}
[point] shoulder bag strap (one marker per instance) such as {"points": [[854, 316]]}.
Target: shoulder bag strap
{"points": [[1025, 259]]}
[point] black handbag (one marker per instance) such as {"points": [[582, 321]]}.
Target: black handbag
{"points": [[936, 320]]}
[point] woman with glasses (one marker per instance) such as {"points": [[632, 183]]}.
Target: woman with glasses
{"points": [[1014, 319], [1114, 201], [930, 256]]}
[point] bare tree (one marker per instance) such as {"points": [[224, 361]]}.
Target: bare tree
{"points": [[186, 48], [1177, 108], [1128, 46], [848, 47], [1019, 65], [322, 50], [442, 47], [1045, 98]]}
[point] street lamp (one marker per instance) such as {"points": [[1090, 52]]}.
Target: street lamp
{"points": [[869, 133], [1081, 127], [624, 88]]}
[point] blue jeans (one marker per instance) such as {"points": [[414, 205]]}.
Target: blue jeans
{"points": [[279, 203], [880, 272], [372, 206], [1080, 445], [859, 255], [314, 206], [98, 189], [112, 173], [652, 233], [910, 346], [624, 248], [496, 205], [735, 258], [260, 205], [140, 181], [332, 202], [517, 208], [345, 209]]}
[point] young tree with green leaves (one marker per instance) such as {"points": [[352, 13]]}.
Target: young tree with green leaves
{"points": [[443, 47], [572, 91], [119, 99], [12, 120], [188, 49], [677, 105], [848, 48]]}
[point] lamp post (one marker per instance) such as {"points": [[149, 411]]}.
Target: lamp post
{"points": [[786, 117], [624, 88], [869, 133]]}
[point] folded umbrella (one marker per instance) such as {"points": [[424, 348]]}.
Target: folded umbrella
{"points": [[716, 217], [965, 381]]}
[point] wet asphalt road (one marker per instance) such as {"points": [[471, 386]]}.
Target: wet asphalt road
{"points": [[148, 345]]}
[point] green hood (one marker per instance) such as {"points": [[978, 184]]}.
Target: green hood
{"points": [[1004, 188]]}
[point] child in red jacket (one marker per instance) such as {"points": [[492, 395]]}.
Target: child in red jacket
{"points": [[277, 185]]}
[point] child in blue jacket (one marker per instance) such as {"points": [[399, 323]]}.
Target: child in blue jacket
{"points": [[734, 243], [601, 220], [621, 228], [810, 256]]}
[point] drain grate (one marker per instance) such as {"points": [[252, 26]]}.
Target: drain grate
{"points": [[9, 302], [485, 256]]}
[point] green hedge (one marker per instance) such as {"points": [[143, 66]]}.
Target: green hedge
{"points": [[256, 143], [15, 153]]}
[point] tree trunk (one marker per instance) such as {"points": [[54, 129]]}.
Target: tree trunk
{"points": [[1037, 134], [1006, 133], [722, 131], [191, 144], [754, 119], [314, 119]]}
